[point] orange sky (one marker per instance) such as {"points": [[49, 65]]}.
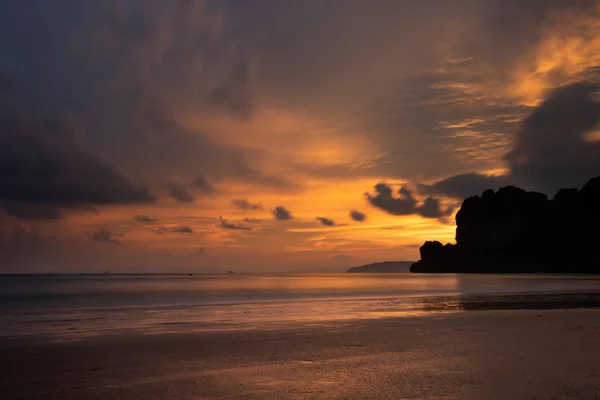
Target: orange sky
{"points": [[311, 113]]}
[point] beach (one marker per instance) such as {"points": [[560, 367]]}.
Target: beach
{"points": [[497, 354], [315, 200], [315, 336]]}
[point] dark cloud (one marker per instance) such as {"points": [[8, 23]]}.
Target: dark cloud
{"points": [[244, 204], [180, 194], [511, 28], [40, 162], [244, 172], [429, 109], [181, 229], [431, 209], [233, 94], [404, 203], [464, 185], [203, 185], [225, 224], [281, 213], [31, 211], [174, 229], [145, 219], [334, 35], [127, 76], [104, 236], [357, 216], [550, 149], [432, 109], [326, 221]]}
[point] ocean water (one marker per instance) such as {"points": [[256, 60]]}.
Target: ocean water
{"points": [[71, 307]]}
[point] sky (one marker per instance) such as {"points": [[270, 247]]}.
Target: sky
{"points": [[279, 136]]}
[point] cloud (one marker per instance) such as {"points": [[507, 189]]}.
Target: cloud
{"points": [[203, 185], [127, 77], [233, 94], [104, 236], [244, 172], [281, 213], [174, 229], [326, 221], [462, 186], [41, 162], [180, 194], [145, 219], [383, 199], [550, 148], [357, 216], [181, 229], [229, 225], [404, 203], [431, 208], [244, 204], [463, 113], [252, 220], [122, 98], [31, 211]]}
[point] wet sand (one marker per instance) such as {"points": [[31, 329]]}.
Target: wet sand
{"points": [[497, 354]]}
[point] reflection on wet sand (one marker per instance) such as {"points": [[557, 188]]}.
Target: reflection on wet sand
{"points": [[546, 301], [73, 307]]}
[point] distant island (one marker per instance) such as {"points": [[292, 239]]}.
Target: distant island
{"points": [[513, 230], [383, 267]]}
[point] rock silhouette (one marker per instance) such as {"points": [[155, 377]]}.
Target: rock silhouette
{"points": [[382, 267], [513, 230]]}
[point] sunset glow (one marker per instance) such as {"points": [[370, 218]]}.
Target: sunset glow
{"points": [[219, 112]]}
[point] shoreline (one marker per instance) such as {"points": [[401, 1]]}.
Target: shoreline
{"points": [[76, 324]]}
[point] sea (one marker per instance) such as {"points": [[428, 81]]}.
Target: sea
{"points": [[74, 307]]}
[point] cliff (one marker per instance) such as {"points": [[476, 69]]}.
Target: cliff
{"points": [[383, 267], [513, 230]]}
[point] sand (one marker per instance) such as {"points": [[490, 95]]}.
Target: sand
{"points": [[521, 354]]}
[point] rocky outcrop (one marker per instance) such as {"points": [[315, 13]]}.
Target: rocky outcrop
{"points": [[383, 267], [513, 230]]}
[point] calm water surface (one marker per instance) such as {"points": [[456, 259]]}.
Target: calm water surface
{"points": [[75, 306]]}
